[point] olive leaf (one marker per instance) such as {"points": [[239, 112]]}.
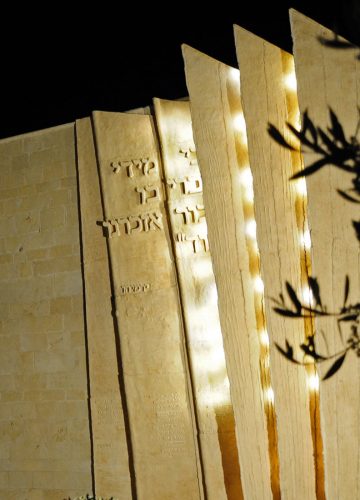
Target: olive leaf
{"points": [[346, 290], [315, 289], [335, 366], [288, 352], [294, 299]]}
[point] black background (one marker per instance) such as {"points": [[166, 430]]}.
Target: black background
{"points": [[58, 65]]}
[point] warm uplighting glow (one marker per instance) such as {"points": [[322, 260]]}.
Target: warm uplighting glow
{"points": [[249, 195], [203, 269], [212, 294], [264, 338], [246, 180], [313, 382], [305, 239], [269, 395], [258, 285], [307, 296], [240, 126], [218, 396], [212, 360], [290, 81], [300, 186], [234, 74], [239, 122], [246, 177], [250, 229]]}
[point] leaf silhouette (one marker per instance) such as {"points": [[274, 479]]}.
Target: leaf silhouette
{"points": [[356, 226], [347, 197], [314, 287], [329, 143], [346, 289], [308, 125], [311, 169], [278, 137], [286, 312], [288, 353], [349, 317], [335, 366], [336, 43], [300, 135], [337, 130], [293, 297], [309, 349]]}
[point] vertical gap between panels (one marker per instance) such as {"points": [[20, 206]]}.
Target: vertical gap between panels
{"points": [[304, 238], [247, 197]]}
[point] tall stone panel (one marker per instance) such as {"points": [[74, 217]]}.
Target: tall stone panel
{"points": [[215, 99], [45, 448], [158, 393], [280, 220], [111, 461], [329, 79], [199, 301]]}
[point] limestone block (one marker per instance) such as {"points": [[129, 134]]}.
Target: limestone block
{"points": [[38, 348]]}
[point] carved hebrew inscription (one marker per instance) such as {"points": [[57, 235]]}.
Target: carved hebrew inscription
{"points": [[133, 224], [144, 166], [187, 185], [170, 425], [148, 193], [199, 243], [189, 153], [106, 410], [130, 289], [191, 214]]}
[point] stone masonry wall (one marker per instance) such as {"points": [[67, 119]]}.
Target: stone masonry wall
{"points": [[44, 425]]}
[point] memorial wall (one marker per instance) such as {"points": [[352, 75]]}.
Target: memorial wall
{"points": [[140, 254]]}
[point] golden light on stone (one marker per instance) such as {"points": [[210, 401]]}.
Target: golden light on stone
{"points": [[258, 285], [250, 229], [305, 239], [269, 395], [246, 183], [212, 360], [216, 395], [300, 186], [307, 296], [290, 81], [240, 127], [234, 74], [264, 338], [247, 196], [313, 382], [202, 269], [246, 177]]}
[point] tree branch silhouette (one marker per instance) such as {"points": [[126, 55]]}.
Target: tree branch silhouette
{"points": [[333, 149]]}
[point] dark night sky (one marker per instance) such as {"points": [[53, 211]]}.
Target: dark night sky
{"points": [[67, 65]]}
